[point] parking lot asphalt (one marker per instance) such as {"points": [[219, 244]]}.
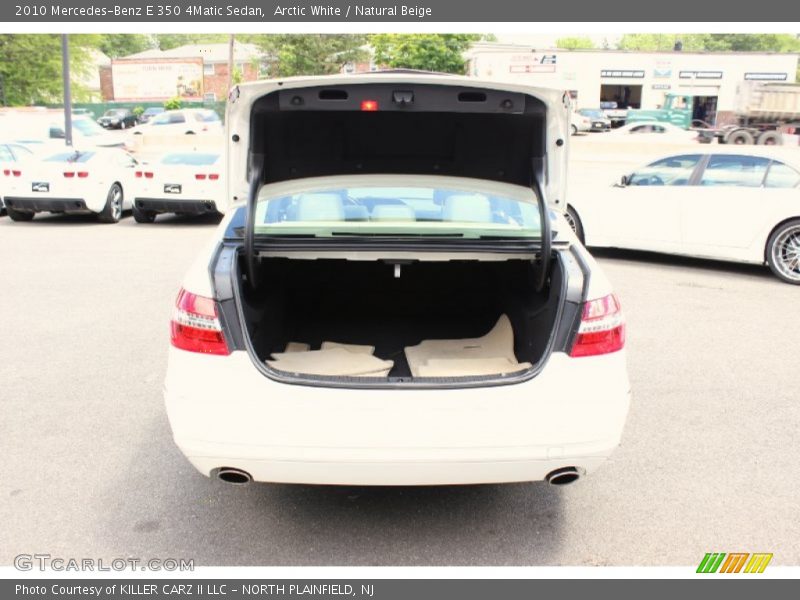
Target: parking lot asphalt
{"points": [[708, 461]]}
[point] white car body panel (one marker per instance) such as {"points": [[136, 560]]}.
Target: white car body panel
{"points": [[225, 412]]}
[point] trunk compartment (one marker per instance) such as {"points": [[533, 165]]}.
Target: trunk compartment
{"points": [[306, 304]]}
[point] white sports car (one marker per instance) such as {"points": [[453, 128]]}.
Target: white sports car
{"points": [[395, 299], [73, 181]]}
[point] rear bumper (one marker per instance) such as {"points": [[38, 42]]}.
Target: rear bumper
{"points": [[47, 204], [164, 205], [225, 413]]}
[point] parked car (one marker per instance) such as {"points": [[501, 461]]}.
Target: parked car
{"points": [[404, 304], [180, 182], [73, 181], [726, 205], [46, 131], [652, 133], [600, 122], [190, 121], [117, 118], [579, 123], [614, 113], [150, 112], [12, 156]]}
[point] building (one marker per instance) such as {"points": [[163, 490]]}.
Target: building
{"points": [[192, 72], [633, 79]]}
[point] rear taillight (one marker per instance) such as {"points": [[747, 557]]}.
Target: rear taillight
{"points": [[200, 176], [83, 174], [602, 328], [69, 174], [138, 174], [16, 173], [7, 172], [148, 174], [213, 176], [195, 326]]}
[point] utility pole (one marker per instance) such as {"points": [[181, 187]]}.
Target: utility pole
{"points": [[231, 42], [67, 90]]}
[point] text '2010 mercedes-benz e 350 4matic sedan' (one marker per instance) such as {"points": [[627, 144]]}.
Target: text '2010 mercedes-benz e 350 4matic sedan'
{"points": [[394, 297]]}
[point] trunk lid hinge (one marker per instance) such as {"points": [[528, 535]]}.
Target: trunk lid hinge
{"points": [[544, 216], [250, 224]]}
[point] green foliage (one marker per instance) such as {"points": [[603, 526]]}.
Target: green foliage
{"points": [[167, 41], [115, 45], [310, 54], [30, 67], [712, 42], [426, 51], [172, 103], [138, 111], [575, 43]]}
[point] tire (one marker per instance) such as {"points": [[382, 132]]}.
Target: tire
{"points": [[112, 211], [783, 252], [143, 216], [122, 125], [770, 138], [573, 130], [739, 137], [19, 215], [575, 222], [190, 133]]}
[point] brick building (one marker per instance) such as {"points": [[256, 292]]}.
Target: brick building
{"points": [[194, 71]]}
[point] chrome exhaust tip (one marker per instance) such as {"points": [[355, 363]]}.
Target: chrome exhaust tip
{"points": [[234, 476], [563, 476]]}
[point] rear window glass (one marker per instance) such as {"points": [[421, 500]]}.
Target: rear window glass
{"points": [[415, 210], [782, 176], [191, 159], [207, 117], [736, 170], [70, 157], [674, 170]]}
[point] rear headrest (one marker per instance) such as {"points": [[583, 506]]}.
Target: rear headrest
{"points": [[320, 207], [393, 212], [472, 208]]}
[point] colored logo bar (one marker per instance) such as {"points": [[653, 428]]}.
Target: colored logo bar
{"points": [[734, 562]]}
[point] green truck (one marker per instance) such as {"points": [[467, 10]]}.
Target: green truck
{"points": [[764, 112]]}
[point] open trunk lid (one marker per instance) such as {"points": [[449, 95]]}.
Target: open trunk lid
{"points": [[393, 123]]}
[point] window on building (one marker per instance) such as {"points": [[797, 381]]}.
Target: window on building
{"points": [[208, 68]]}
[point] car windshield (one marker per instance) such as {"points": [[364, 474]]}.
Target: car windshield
{"points": [[190, 159], [592, 113], [153, 111], [87, 127], [407, 210]]}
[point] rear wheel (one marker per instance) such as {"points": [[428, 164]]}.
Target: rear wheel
{"points": [[783, 252], [770, 138], [19, 215], [122, 125], [575, 222], [740, 137], [143, 216], [112, 211]]}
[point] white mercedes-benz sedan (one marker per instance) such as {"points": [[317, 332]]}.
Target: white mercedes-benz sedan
{"points": [[732, 204], [396, 298]]}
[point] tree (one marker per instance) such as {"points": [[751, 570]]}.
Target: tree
{"points": [[30, 67], [712, 42], [575, 43], [167, 41], [310, 54], [442, 52], [116, 45]]}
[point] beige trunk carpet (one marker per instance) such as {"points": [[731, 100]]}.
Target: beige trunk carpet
{"points": [[492, 354]]}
